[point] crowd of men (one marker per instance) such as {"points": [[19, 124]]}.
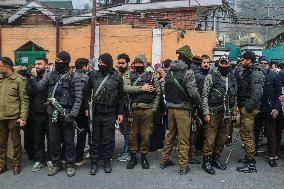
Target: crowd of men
{"points": [[61, 109]]}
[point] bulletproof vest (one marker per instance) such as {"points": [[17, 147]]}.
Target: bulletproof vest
{"points": [[64, 93], [217, 94], [172, 92], [107, 95], [144, 97]]}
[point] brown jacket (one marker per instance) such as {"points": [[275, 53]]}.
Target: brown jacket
{"points": [[14, 102]]}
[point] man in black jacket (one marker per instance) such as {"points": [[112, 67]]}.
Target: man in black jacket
{"points": [[250, 91], [81, 65], [268, 110], [66, 87], [39, 117], [105, 87]]}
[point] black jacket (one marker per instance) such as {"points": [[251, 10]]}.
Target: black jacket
{"points": [[68, 93], [37, 98], [109, 100], [271, 91]]}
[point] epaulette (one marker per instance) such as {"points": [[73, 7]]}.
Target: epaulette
{"points": [[20, 76]]}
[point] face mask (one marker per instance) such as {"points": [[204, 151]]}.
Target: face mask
{"points": [[122, 70], [140, 69], [224, 70], [204, 71], [103, 68], [61, 67]]}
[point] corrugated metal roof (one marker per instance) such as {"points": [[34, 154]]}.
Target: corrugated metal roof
{"points": [[12, 2], [146, 7], [165, 5]]}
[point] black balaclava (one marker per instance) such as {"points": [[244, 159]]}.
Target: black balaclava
{"points": [[224, 70], [108, 61], [62, 62]]}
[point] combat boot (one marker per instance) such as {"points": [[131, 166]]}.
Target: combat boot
{"points": [[54, 170], [243, 161], [166, 164], [216, 162], [144, 161], [207, 165], [184, 171], [248, 167], [108, 168], [70, 171], [94, 168], [133, 161]]}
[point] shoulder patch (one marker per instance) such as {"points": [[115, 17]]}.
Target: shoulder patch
{"points": [[22, 77]]}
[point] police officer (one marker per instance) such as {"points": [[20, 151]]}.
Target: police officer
{"points": [[39, 117], [181, 94], [200, 75], [107, 94], [144, 104], [14, 104], [250, 91], [122, 66], [66, 87], [218, 101], [81, 65], [269, 110]]}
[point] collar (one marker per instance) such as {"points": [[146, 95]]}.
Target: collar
{"points": [[13, 75]]}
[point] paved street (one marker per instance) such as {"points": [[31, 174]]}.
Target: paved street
{"points": [[137, 178]]}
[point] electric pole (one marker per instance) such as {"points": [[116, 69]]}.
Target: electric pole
{"points": [[93, 30]]}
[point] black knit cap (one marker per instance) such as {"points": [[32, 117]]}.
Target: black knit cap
{"points": [[249, 55], [7, 61], [63, 57], [107, 59]]}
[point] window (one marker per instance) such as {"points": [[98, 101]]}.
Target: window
{"points": [[166, 25]]}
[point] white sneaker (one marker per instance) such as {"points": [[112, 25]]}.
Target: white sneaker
{"points": [[124, 157], [37, 166], [49, 164]]}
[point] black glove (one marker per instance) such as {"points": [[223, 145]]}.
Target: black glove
{"points": [[69, 118]]}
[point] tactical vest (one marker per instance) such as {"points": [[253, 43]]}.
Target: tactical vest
{"points": [[144, 97], [64, 93], [218, 93], [107, 95], [172, 92]]}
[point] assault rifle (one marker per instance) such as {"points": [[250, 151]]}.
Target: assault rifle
{"points": [[62, 111], [90, 118]]}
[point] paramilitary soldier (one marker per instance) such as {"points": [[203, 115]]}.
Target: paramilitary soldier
{"points": [[122, 66], [218, 100], [144, 104], [181, 92], [107, 95], [66, 88], [14, 104], [250, 91], [39, 117]]}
